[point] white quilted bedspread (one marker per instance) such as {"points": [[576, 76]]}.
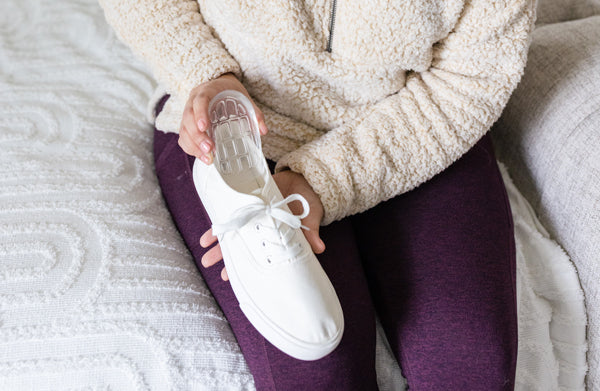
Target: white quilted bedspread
{"points": [[98, 291]]}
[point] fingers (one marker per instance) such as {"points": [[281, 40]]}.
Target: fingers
{"points": [[190, 146], [200, 104], [260, 118], [193, 138], [207, 239], [212, 257], [201, 121]]}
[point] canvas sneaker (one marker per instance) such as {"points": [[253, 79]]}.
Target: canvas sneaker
{"points": [[279, 283]]}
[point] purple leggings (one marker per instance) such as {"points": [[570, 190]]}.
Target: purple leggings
{"points": [[437, 264]]}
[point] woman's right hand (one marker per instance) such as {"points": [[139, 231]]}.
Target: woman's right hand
{"points": [[193, 138]]}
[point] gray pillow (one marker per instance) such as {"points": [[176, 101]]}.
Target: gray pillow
{"points": [[549, 137], [554, 11]]}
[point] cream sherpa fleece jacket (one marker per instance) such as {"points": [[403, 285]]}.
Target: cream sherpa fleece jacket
{"points": [[408, 87]]}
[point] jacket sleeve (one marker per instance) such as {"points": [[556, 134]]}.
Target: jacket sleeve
{"points": [[171, 37], [407, 138]]}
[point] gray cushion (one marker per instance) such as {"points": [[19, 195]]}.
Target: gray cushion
{"points": [[554, 11], [549, 137]]}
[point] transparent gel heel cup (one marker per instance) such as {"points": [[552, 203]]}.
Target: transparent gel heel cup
{"points": [[234, 130]]}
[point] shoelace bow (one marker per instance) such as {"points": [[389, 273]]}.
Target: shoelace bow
{"points": [[245, 214]]}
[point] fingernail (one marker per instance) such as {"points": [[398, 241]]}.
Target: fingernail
{"points": [[263, 128], [201, 124], [205, 146], [206, 158]]}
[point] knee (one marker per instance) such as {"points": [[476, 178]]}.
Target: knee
{"points": [[461, 353]]}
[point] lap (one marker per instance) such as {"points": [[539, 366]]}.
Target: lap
{"points": [[351, 365], [436, 261]]}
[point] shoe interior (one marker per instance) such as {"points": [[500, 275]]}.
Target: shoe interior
{"points": [[238, 162]]}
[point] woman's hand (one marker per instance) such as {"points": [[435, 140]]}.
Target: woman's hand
{"points": [[193, 138], [289, 182]]}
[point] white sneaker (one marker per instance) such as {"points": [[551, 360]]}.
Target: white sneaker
{"points": [[280, 285]]}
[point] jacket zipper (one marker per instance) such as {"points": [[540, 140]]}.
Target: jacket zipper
{"points": [[331, 25]]}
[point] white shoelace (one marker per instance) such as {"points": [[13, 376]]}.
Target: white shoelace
{"points": [[244, 215]]}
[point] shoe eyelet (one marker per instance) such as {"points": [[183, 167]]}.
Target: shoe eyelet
{"points": [[269, 260], [264, 244], [257, 227]]}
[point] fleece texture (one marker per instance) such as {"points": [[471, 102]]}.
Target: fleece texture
{"points": [[406, 90]]}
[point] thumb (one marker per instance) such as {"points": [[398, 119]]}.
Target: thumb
{"points": [[313, 238]]}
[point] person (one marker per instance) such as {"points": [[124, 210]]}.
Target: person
{"points": [[377, 113]]}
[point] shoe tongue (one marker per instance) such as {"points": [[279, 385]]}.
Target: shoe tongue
{"points": [[231, 200]]}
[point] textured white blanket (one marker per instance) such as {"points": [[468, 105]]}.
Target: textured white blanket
{"points": [[97, 290]]}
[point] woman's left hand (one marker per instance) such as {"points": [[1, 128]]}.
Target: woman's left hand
{"points": [[290, 182]]}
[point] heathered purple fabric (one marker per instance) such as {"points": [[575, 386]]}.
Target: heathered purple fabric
{"points": [[436, 263]]}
